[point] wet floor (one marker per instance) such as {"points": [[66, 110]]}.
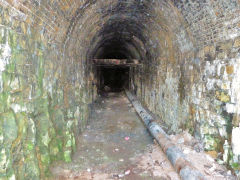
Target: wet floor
{"points": [[111, 145], [114, 136], [116, 145]]}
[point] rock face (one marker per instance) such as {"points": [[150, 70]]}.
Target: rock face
{"points": [[190, 78]]}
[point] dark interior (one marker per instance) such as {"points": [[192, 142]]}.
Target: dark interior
{"points": [[113, 78], [113, 50]]}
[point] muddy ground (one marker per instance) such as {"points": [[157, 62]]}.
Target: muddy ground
{"points": [[116, 145]]}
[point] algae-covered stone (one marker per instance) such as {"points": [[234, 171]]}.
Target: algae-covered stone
{"points": [[17, 146], [70, 114], [31, 164], [211, 143], [4, 101], [15, 84], [10, 127], [41, 106], [68, 140], [56, 149], [3, 162], [73, 144], [31, 169], [67, 156], [45, 139], [222, 96], [58, 119], [45, 158], [37, 102], [43, 124], [7, 78]]}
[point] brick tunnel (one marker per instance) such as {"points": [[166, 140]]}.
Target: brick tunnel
{"points": [[179, 58]]}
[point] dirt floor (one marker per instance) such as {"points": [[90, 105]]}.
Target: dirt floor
{"points": [[116, 145]]}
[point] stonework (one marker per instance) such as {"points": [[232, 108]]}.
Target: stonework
{"points": [[190, 78], [42, 103], [195, 84]]}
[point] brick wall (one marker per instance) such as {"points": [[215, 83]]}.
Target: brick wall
{"points": [[193, 81]]}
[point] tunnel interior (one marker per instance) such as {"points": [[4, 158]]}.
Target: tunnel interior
{"points": [[189, 54], [124, 37], [116, 46], [113, 79]]}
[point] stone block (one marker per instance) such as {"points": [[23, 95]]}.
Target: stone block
{"points": [[237, 42], [210, 53], [236, 119], [222, 96], [230, 69]]}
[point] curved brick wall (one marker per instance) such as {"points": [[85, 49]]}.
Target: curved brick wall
{"points": [[190, 75], [194, 82]]}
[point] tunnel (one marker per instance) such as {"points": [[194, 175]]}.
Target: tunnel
{"points": [[179, 58], [112, 77]]}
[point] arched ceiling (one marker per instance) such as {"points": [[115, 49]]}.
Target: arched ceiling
{"points": [[140, 26]]}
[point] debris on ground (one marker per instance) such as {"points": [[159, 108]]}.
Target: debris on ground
{"points": [[116, 150], [127, 138], [205, 162], [127, 172], [98, 154], [121, 160]]}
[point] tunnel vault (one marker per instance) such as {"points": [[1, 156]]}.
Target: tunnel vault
{"points": [[188, 77]]}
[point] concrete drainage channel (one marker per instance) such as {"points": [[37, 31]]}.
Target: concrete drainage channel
{"points": [[174, 154]]}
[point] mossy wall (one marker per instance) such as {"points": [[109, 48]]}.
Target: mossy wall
{"points": [[43, 104]]}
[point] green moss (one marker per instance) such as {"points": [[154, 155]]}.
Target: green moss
{"points": [[45, 158], [10, 172], [33, 139], [31, 165], [13, 40], [4, 101], [56, 149], [3, 39], [67, 156], [211, 141], [10, 127], [31, 169], [7, 78], [30, 147], [235, 166]]}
